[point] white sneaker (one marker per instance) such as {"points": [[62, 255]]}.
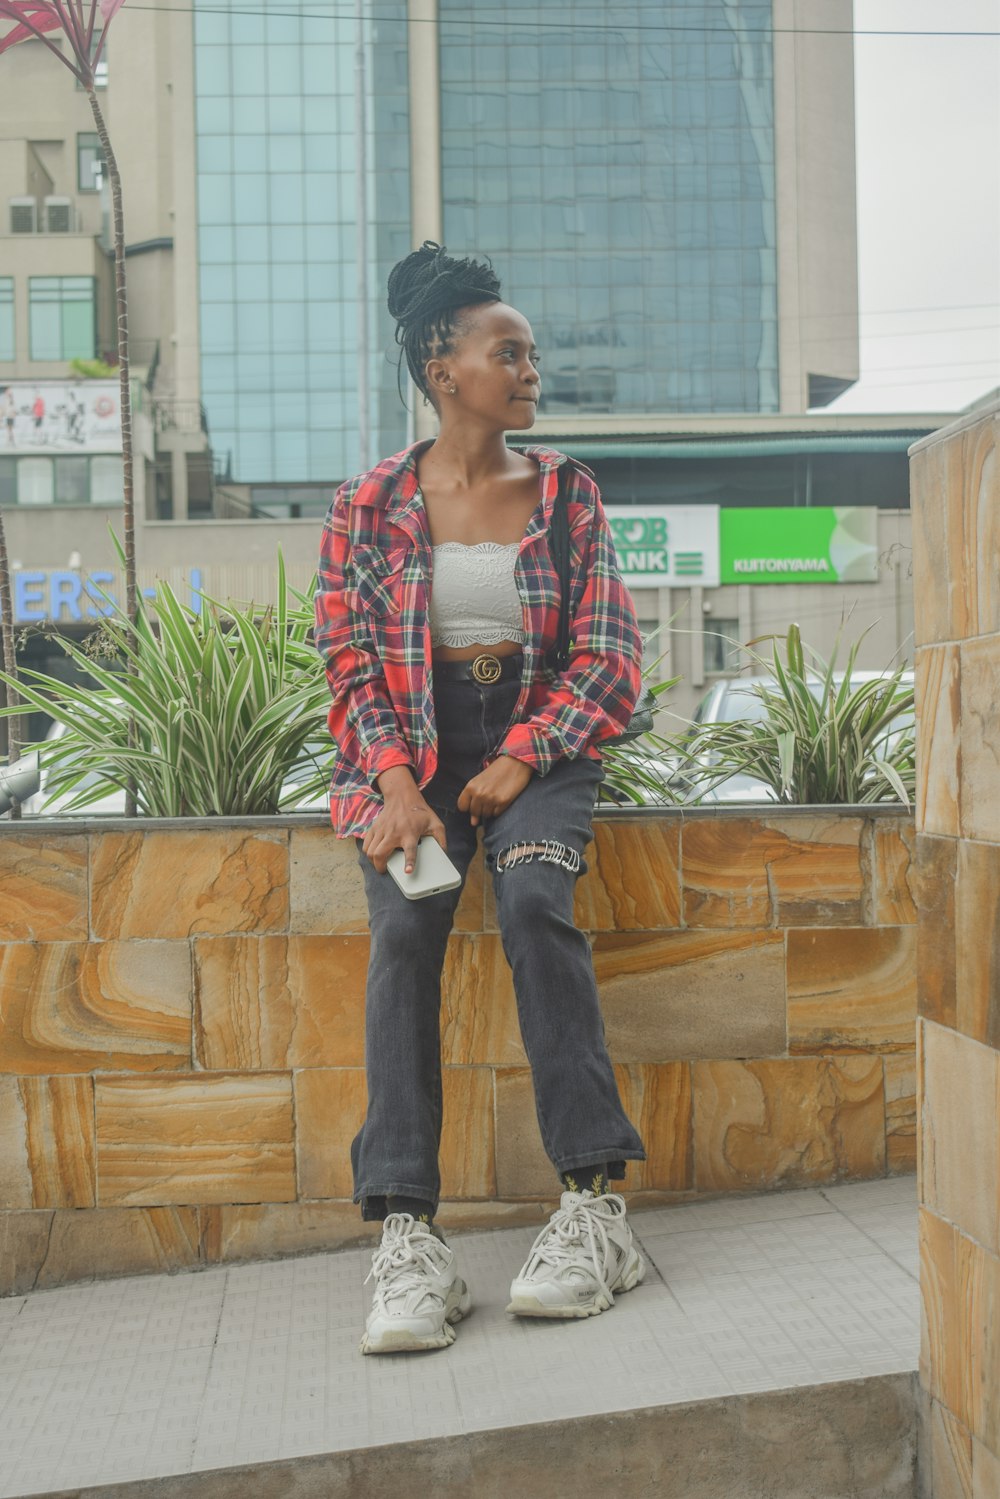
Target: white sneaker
{"points": [[418, 1294], [580, 1259]]}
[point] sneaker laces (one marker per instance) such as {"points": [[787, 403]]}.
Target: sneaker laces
{"points": [[403, 1261], [575, 1226]]}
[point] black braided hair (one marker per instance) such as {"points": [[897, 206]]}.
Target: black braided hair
{"points": [[426, 291]]}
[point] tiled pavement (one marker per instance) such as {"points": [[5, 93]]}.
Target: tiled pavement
{"points": [[172, 1374]]}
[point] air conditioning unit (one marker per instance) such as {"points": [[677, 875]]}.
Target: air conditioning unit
{"points": [[58, 215], [23, 216]]}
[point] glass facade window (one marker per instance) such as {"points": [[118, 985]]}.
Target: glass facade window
{"points": [[621, 176], [76, 480], [107, 480], [7, 350], [277, 159], [290, 502], [720, 654], [35, 484], [8, 481], [89, 162], [62, 317]]}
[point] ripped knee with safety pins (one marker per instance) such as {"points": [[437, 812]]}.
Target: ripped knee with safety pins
{"points": [[547, 851]]}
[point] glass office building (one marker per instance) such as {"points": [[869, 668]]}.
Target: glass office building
{"points": [[618, 166], [277, 154]]}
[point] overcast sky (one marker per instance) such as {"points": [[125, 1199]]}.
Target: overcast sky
{"points": [[928, 147]]}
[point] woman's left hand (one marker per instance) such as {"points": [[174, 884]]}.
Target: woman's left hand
{"points": [[493, 789]]}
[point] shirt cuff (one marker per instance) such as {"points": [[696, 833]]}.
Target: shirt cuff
{"points": [[383, 756]]}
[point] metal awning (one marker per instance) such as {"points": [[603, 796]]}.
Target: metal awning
{"points": [[784, 445]]}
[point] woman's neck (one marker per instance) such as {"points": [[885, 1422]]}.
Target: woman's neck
{"points": [[467, 456]]}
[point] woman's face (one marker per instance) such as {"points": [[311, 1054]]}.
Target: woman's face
{"points": [[493, 368]]}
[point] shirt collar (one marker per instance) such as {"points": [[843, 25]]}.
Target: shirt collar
{"points": [[392, 484]]}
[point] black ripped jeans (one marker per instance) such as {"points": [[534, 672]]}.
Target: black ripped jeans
{"points": [[534, 853]]}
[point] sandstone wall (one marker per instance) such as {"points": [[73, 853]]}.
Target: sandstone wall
{"points": [[956, 498], [182, 1036]]}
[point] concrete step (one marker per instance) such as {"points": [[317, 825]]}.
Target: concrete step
{"points": [[770, 1354]]}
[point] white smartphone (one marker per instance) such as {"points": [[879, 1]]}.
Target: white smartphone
{"points": [[432, 872]]}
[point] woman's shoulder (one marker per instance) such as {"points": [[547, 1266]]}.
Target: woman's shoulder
{"points": [[582, 479], [375, 485]]}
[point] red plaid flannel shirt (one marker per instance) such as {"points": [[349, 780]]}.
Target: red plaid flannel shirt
{"points": [[373, 634]]}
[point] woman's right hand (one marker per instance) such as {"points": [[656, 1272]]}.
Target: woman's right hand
{"points": [[405, 818]]}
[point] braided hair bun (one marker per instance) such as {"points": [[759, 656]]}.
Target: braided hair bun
{"points": [[426, 291]]}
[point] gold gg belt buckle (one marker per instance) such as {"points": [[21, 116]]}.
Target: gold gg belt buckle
{"points": [[486, 669]]}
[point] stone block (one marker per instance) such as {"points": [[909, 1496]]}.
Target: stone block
{"points": [[985, 1471], [175, 883], [852, 990], [194, 1139], [478, 1010], [326, 889], [937, 879], [816, 872], [656, 1098], [24, 1238], [940, 546], [699, 993], [895, 876], [15, 1164], [725, 872], [274, 1002], [468, 1167], [330, 1105], [59, 1117], [44, 884], [960, 1132], [938, 679], [632, 881], [800, 868], [260, 1231], [960, 1325], [900, 1110], [105, 1242], [789, 1122], [977, 942], [981, 502], [980, 773], [947, 1446], [73, 1007]]}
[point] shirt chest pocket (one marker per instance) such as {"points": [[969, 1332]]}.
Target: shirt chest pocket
{"points": [[381, 580]]}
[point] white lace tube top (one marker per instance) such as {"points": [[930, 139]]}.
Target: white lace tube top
{"points": [[474, 597]]}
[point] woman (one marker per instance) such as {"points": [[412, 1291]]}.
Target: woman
{"points": [[436, 610]]}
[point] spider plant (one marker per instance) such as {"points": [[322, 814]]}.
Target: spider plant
{"points": [[823, 738], [640, 771], [225, 702]]}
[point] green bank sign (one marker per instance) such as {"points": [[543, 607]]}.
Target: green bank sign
{"points": [[824, 544]]}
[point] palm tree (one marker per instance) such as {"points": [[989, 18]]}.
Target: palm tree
{"points": [[84, 37]]}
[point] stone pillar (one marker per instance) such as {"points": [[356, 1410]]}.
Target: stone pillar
{"points": [[956, 559]]}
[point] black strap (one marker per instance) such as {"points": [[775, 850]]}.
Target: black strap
{"points": [[559, 547]]}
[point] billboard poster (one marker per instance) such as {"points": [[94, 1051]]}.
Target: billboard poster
{"points": [[813, 544], [59, 416], [664, 546]]}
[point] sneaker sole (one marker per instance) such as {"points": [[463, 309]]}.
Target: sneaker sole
{"points": [[529, 1306], [407, 1340]]}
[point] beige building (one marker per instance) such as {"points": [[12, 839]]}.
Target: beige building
{"points": [[243, 270]]}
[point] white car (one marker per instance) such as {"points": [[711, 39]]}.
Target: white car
{"points": [[734, 700], [44, 804]]}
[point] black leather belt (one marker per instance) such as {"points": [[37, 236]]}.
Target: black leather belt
{"points": [[484, 669]]}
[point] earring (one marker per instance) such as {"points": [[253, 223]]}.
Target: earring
{"points": [[453, 390]]}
